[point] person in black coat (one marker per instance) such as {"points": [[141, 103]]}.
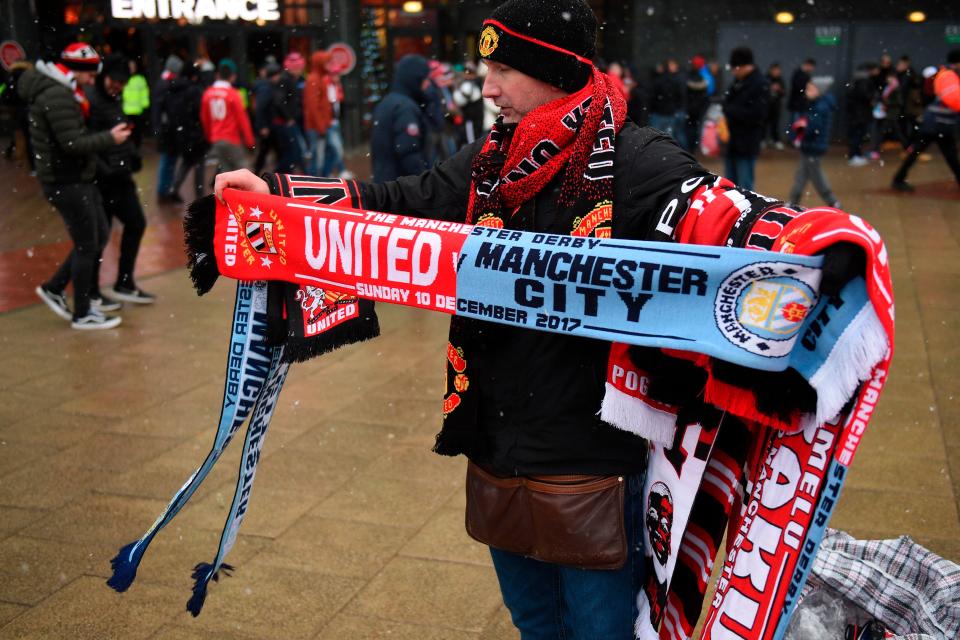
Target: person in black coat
{"points": [[745, 108], [163, 129], [859, 105], [399, 127], [797, 99], [191, 142], [115, 168]]}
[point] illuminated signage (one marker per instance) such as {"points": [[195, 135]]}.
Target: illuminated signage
{"points": [[197, 10]]}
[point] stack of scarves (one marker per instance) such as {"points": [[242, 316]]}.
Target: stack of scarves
{"points": [[784, 380]]}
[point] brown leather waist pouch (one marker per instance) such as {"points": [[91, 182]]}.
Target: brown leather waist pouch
{"points": [[571, 520]]}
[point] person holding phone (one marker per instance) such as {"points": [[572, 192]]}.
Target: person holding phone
{"points": [[66, 155], [115, 168]]}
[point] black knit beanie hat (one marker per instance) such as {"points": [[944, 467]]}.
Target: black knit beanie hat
{"points": [[550, 40], [741, 56]]}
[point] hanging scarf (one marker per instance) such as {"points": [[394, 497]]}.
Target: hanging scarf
{"points": [[58, 72], [273, 325]]}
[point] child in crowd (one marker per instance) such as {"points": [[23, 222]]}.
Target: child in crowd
{"points": [[811, 134]]}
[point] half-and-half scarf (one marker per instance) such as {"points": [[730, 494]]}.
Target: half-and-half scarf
{"points": [[647, 294]]}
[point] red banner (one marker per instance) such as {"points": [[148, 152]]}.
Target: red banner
{"points": [[377, 256]]}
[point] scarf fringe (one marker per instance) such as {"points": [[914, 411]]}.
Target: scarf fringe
{"points": [[862, 345], [303, 350], [637, 417], [124, 566], [642, 629], [199, 225], [202, 574]]}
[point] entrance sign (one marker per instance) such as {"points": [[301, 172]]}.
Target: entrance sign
{"points": [[197, 10]]}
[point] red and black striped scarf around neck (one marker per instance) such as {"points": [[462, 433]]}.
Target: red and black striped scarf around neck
{"points": [[576, 131]]}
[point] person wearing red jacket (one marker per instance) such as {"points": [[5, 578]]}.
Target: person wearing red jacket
{"points": [[225, 121], [317, 110]]}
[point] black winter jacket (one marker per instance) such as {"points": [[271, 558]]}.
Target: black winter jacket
{"points": [[119, 160], [288, 98], [65, 152], [399, 125], [540, 392], [745, 107]]}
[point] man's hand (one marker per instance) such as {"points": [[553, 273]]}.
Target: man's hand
{"points": [[242, 179], [121, 132]]}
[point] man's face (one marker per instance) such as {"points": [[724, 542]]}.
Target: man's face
{"points": [[85, 77], [516, 93], [113, 87], [742, 71]]}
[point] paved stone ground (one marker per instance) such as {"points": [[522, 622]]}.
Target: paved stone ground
{"points": [[355, 529]]}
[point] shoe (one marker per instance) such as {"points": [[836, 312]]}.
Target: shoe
{"points": [[94, 320], [874, 155], [902, 185], [103, 303], [56, 301], [133, 294], [835, 205], [778, 146], [858, 161], [347, 175]]}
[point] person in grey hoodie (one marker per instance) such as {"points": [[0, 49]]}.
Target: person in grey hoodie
{"points": [[66, 162]]}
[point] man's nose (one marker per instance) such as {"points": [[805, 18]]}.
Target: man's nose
{"points": [[490, 88]]}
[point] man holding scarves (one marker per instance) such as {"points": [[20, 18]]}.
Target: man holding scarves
{"points": [[563, 159]]}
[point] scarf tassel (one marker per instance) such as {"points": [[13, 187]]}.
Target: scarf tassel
{"points": [[203, 573], [864, 341], [303, 350], [199, 225], [125, 565]]}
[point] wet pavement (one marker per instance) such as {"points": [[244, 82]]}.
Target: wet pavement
{"points": [[355, 529]]}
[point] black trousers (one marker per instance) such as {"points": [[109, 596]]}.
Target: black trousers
{"points": [[121, 201], [943, 135], [81, 207]]}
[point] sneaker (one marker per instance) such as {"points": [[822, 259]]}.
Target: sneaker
{"points": [[56, 301], [346, 174], [103, 303], [902, 185], [94, 320], [858, 161], [778, 146], [133, 294]]}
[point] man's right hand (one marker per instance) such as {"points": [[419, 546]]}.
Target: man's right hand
{"points": [[242, 179], [121, 132]]}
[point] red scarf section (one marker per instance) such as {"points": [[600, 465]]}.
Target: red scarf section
{"points": [[577, 130]]}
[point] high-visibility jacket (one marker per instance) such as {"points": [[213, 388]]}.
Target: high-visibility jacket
{"points": [[136, 96]]}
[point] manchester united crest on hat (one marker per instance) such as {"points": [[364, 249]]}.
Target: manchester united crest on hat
{"points": [[489, 39]]}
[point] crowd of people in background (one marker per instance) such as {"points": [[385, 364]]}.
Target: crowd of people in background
{"points": [[200, 112]]}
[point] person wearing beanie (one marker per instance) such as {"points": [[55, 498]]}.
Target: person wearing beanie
{"points": [[115, 168], [562, 158], [264, 112], [288, 123], [66, 163], [939, 123], [745, 109], [164, 131], [811, 134]]}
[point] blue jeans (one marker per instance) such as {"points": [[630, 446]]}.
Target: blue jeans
{"points": [[290, 156], [550, 601], [165, 173], [333, 158], [316, 146], [739, 170]]}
